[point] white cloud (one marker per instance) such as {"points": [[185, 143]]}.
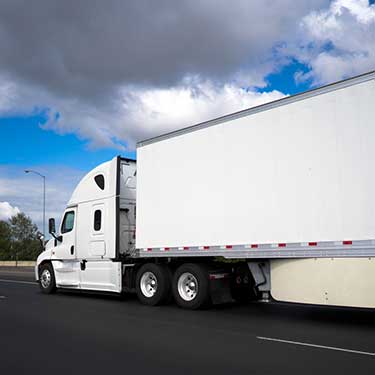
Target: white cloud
{"points": [[155, 111], [7, 210], [137, 112], [337, 42]]}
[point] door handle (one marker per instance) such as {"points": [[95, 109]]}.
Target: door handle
{"points": [[72, 250], [83, 264]]}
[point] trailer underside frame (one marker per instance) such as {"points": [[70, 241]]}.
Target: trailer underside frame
{"points": [[324, 249]]}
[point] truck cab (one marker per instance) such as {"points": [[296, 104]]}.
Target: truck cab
{"points": [[102, 211]]}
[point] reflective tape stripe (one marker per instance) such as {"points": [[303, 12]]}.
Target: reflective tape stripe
{"points": [[264, 246]]}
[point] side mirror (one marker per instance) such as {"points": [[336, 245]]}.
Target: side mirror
{"points": [[51, 225]]}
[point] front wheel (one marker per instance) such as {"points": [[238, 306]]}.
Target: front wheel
{"points": [[47, 282]]}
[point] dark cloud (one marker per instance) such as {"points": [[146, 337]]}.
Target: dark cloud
{"points": [[88, 48]]}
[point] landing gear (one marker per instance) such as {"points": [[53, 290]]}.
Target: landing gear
{"points": [[243, 284]]}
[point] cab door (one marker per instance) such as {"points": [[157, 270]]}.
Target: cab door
{"points": [[97, 270], [67, 266], [66, 248]]}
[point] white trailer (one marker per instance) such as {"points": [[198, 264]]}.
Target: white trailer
{"points": [[276, 200]]}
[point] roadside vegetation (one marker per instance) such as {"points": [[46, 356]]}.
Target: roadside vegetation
{"points": [[19, 238]]}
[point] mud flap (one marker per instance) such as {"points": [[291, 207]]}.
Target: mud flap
{"points": [[220, 287]]}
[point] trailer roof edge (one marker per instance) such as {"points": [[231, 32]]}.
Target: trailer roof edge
{"points": [[263, 107]]}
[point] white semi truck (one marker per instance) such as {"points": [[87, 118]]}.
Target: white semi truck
{"points": [[276, 201]]}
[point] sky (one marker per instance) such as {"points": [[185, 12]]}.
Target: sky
{"points": [[82, 82]]}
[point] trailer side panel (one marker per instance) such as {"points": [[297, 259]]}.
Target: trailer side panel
{"points": [[296, 173]]}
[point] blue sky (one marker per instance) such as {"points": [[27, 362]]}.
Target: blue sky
{"points": [[25, 144], [90, 94]]}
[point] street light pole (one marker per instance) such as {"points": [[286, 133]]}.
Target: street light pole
{"points": [[44, 198], [44, 208]]}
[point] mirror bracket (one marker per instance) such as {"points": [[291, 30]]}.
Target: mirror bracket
{"points": [[52, 231], [57, 238]]}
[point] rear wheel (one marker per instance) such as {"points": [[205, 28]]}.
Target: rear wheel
{"points": [[47, 280], [153, 284], [190, 286]]}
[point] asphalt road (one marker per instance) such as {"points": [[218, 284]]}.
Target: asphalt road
{"points": [[71, 333]]}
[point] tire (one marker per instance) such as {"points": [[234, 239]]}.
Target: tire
{"points": [[191, 286], [47, 281], [153, 284]]}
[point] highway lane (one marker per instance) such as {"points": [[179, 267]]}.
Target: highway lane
{"points": [[17, 273], [95, 334]]}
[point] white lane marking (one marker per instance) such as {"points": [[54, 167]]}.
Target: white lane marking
{"points": [[18, 282], [315, 346]]}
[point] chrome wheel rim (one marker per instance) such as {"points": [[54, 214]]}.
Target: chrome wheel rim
{"points": [[187, 286], [149, 284], [45, 278]]}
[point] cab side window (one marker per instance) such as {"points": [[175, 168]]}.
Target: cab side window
{"points": [[97, 220], [68, 222]]}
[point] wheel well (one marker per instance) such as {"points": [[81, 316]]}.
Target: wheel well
{"points": [[42, 263]]}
